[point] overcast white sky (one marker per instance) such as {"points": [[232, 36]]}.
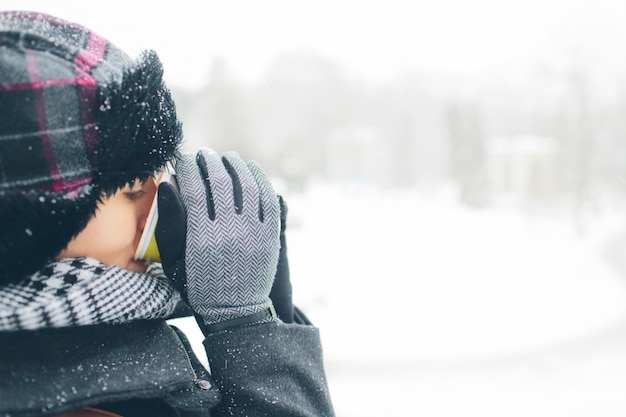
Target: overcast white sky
{"points": [[371, 38]]}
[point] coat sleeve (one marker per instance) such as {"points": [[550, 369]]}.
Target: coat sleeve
{"points": [[271, 369]]}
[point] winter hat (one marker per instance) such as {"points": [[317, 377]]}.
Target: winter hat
{"points": [[78, 119]]}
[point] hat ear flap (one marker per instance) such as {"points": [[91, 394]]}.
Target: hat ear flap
{"points": [[36, 227]]}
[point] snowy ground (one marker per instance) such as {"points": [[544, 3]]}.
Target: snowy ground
{"points": [[429, 308]]}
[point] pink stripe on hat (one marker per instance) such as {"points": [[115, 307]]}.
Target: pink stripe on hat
{"points": [[39, 84], [85, 61], [33, 73]]}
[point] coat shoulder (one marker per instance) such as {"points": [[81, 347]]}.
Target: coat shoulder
{"points": [[55, 370]]}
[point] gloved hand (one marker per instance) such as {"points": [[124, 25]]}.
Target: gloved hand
{"points": [[224, 262]]}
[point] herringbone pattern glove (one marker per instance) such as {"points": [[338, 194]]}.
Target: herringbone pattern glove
{"points": [[232, 237]]}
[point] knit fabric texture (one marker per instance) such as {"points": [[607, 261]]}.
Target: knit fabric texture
{"points": [[233, 227], [83, 291]]}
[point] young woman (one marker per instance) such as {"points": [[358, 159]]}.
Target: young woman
{"points": [[82, 323]]}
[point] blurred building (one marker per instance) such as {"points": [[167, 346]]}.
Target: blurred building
{"points": [[523, 165], [356, 154]]}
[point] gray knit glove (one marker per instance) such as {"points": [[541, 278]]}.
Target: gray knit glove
{"points": [[232, 238]]}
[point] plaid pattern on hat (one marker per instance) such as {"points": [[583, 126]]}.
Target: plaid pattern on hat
{"points": [[48, 89], [79, 118]]}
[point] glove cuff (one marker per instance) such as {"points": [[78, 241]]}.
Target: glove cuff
{"points": [[264, 316]]}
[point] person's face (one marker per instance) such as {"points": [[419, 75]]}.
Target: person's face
{"points": [[113, 234]]}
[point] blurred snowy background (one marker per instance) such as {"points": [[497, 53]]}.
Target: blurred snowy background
{"points": [[456, 176]]}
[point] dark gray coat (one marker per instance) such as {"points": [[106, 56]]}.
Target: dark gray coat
{"points": [[148, 368]]}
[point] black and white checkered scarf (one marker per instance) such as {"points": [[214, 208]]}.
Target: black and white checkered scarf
{"points": [[83, 291]]}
